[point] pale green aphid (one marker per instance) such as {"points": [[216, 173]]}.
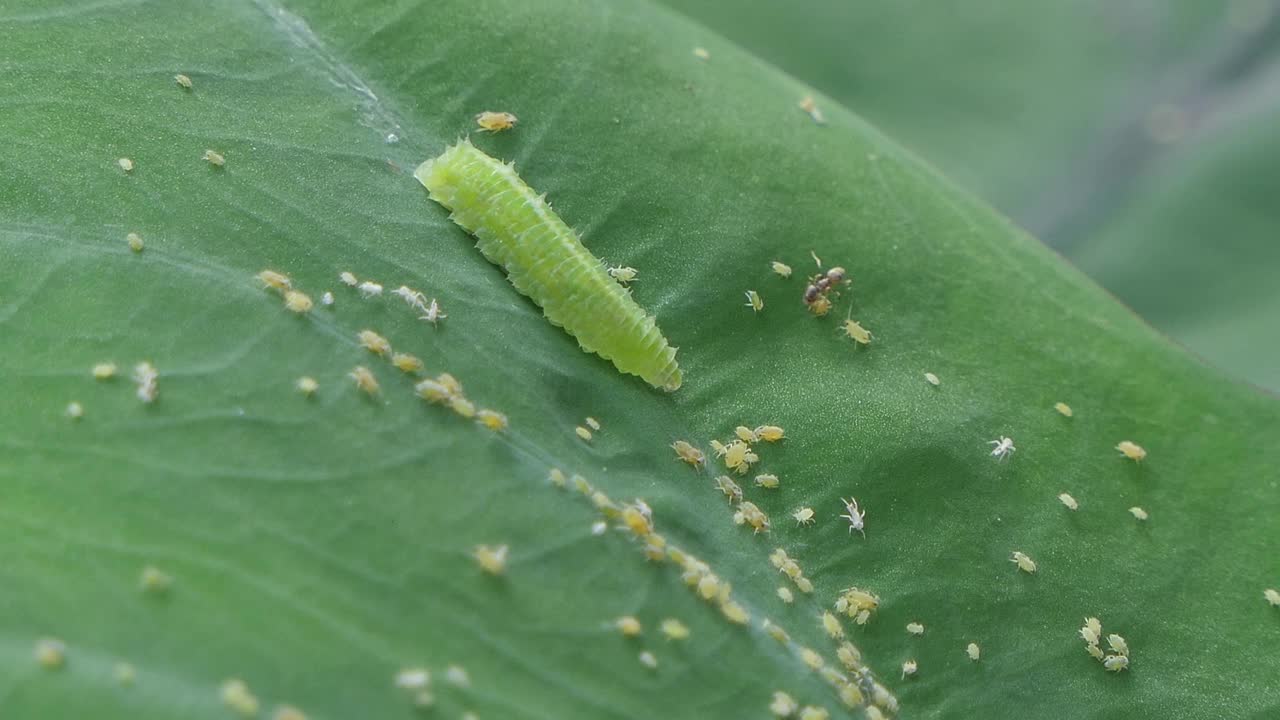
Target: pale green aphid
{"points": [[545, 260]]}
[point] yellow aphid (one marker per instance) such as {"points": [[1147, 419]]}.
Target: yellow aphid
{"points": [[154, 580], [583, 433], [627, 625], [1138, 513], [873, 713], [125, 673], [297, 302], [648, 660], [348, 278], [1024, 563], [450, 383], [599, 527], [731, 490], [862, 617], [909, 668], [636, 521], [495, 121], [655, 548], [735, 456], [770, 433], [833, 676], [557, 478], [804, 515], [932, 379], [856, 331], [275, 280], [809, 712], [783, 705], [145, 376], [820, 306], [1063, 408], [782, 269], [850, 695], [1118, 644], [593, 423], [424, 700], [1069, 501], [1132, 450], [104, 371], [674, 629], [413, 678], [374, 343], [808, 105], [364, 380], [708, 586], [735, 613], [1094, 625], [778, 558], [405, 362], [832, 625], [973, 651], [689, 453], [492, 560], [288, 712], [125, 164], [915, 628], [51, 653], [857, 599], [804, 584], [75, 410], [1096, 652], [882, 697], [214, 158], [719, 448], [751, 514], [492, 419], [701, 53], [183, 81], [784, 594], [775, 631], [432, 391], [811, 658], [235, 695], [1090, 634], [754, 301], [1116, 663], [604, 504], [580, 484], [745, 434], [135, 242], [769, 482]]}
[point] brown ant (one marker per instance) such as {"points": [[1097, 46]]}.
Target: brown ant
{"points": [[815, 295]]}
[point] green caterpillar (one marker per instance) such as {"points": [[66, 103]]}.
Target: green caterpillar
{"points": [[545, 260]]}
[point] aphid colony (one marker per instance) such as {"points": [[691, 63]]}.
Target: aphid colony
{"points": [[857, 603], [1091, 633]]}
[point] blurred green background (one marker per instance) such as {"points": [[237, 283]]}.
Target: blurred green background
{"points": [[1137, 137]]}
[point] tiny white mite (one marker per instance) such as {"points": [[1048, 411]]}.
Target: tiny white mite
{"points": [[1003, 447], [854, 517]]}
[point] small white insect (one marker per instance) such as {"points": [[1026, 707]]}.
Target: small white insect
{"points": [[909, 668], [973, 651], [433, 313], [783, 705], [326, 299], [932, 379], [75, 411], [782, 269], [125, 164], [214, 158], [1024, 563], [348, 278], [648, 660], [1116, 663], [1138, 513], [854, 517], [1118, 644], [1003, 447], [599, 528], [784, 594], [754, 301], [1069, 501], [624, 274], [915, 628], [369, 289]]}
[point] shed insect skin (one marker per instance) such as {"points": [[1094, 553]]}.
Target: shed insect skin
{"points": [[932, 379], [145, 377], [1003, 448], [689, 454], [770, 433], [1068, 501], [495, 122], [75, 410], [624, 275], [1132, 450], [1024, 563], [973, 651], [648, 660], [783, 705], [183, 81], [1118, 644], [135, 242], [1064, 409], [909, 668], [275, 280], [768, 482], [433, 314], [369, 289], [731, 489], [1116, 663], [784, 594], [1272, 596], [701, 53], [803, 516], [125, 164], [104, 371], [782, 269], [593, 423], [754, 301], [456, 674], [346, 277], [583, 433], [1138, 513], [214, 158], [1096, 652], [854, 517], [915, 628]]}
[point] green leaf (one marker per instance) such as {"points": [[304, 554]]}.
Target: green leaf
{"points": [[1136, 138], [318, 546]]}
